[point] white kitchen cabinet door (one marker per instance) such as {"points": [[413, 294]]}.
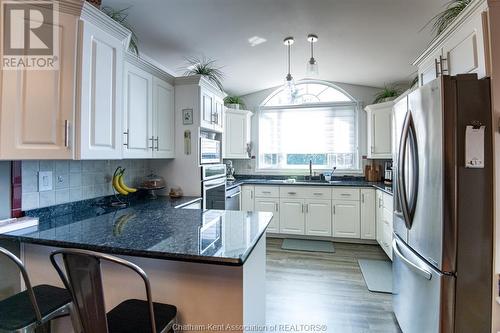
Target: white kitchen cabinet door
{"points": [[368, 214], [37, 106], [346, 219], [379, 215], [236, 133], [428, 71], [218, 116], [163, 119], [379, 126], [465, 49], [138, 113], [318, 217], [292, 217], [247, 198], [269, 205], [207, 109], [100, 107]]}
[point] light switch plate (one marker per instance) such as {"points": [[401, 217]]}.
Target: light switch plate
{"points": [[44, 181]]}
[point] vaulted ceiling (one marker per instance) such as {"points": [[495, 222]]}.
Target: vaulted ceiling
{"points": [[366, 42]]}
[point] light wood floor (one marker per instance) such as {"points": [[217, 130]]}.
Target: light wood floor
{"points": [[325, 289]]}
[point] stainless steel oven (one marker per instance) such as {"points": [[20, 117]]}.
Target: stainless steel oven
{"points": [[210, 151], [213, 186]]}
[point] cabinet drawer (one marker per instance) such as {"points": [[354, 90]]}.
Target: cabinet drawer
{"points": [[267, 192], [345, 194], [324, 193], [293, 192]]}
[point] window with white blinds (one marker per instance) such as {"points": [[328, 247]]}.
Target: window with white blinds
{"points": [[290, 138]]}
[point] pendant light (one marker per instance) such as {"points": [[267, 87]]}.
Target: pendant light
{"points": [[289, 86], [312, 64]]}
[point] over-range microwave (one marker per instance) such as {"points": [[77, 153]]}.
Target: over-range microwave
{"points": [[210, 151]]}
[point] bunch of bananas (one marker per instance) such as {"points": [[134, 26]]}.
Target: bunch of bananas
{"points": [[118, 183]]}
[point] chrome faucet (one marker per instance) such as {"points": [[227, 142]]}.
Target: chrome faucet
{"points": [[310, 169]]}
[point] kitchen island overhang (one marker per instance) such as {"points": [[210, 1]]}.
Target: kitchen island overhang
{"points": [[210, 264]]}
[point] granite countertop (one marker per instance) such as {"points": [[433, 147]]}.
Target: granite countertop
{"points": [[151, 228], [350, 181]]}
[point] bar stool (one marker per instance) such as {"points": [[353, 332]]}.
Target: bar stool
{"points": [[83, 279], [33, 308]]}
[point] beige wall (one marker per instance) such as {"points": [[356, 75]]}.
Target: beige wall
{"points": [[494, 22]]}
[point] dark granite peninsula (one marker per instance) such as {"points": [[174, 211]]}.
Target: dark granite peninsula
{"points": [[210, 264]]}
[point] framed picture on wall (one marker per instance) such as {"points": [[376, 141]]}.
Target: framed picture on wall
{"points": [[187, 116]]}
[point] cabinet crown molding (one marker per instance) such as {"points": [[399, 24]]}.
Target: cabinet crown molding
{"points": [[379, 106], [148, 67], [201, 81], [443, 36]]}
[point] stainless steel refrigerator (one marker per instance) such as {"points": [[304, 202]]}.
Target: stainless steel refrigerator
{"points": [[443, 202]]}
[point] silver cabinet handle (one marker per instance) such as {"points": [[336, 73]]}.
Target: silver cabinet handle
{"points": [[362, 197], [251, 194], [157, 143], [66, 133], [266, 192], [127, 132], [292, 193], [425, 273], [302, 208], [152, 144], [345, 194], [371, 149], [307, 208], [318, 193], [277, 207], [334, 210]]}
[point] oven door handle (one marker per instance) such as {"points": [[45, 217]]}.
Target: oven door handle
{"points": [[232, 196]]}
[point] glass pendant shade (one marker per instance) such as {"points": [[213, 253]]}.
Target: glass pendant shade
{"points": [[312, 65]]}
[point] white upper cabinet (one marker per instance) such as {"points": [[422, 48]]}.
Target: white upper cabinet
{"points": [[218, 113], [379, 126], [37, 106], [462, 48], [163, 119], [148, 116], [237, 133], [137, 112], [75, 111], [99, 111]]}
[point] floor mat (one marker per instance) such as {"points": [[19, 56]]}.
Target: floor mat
{"points": [[377, 274]]}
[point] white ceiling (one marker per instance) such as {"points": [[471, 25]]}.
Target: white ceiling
{"points": [[366, 42]]}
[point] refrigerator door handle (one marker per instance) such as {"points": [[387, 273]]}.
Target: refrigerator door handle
{"points": [[414, 267], [408, 205]]}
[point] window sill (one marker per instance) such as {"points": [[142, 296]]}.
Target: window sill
{"points": [[286, 172]]}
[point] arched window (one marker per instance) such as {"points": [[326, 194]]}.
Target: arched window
{"points": [[308, 92], [319, 126]]}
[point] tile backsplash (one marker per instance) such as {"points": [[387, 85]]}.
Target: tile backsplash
{"points": [[75, 180]]}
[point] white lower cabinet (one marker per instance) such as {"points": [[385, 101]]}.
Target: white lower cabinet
{"points": [[247, 198], [367, 214], [318, 217], [384, 221], [292, 216], [346, 222], [269, 205]]}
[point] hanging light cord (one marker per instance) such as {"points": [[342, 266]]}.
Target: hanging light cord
{"points": [[289, 47], [312, 51]]}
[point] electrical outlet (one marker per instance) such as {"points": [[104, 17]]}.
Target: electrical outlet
{"points": [[44, 181]]}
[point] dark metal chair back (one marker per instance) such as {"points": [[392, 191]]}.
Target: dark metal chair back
{"points": [[27, 282], [83, 278]]}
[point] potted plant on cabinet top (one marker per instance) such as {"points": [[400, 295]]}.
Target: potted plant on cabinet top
{"points": [[205, 67], [387, 94], [234, 102]]}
